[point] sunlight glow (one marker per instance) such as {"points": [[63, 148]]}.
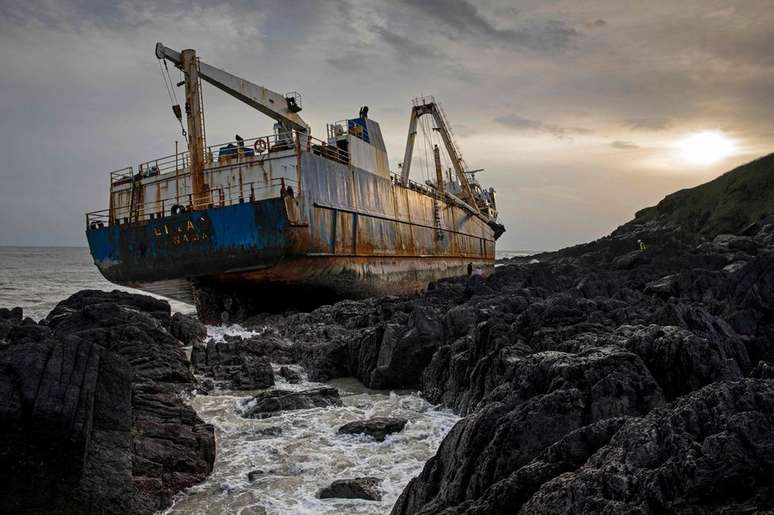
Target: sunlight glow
{"points": [[706, 147]]}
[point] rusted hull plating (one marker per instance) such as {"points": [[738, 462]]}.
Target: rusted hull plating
{"points": [[346, 231]]}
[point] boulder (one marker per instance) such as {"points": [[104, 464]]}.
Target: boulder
{"points": [[269, 403], [378, 427], [240, 367], [290, 375], [188, 329], [358, 488], [9, 318], [709, 453], [291, 469], [93, 419]]}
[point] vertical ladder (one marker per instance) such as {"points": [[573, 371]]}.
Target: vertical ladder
{"points": [[201, 106], [438, 194], [132, 199], [437, 218]]}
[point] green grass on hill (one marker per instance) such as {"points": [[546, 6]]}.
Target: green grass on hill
{"points": [[724, 205]]}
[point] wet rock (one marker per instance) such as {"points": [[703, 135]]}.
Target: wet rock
{"points": [[93, 419], [377, 427], [270, 431], [281, 470], [204, 386], [630, 260], [357, 488], [269, 403], [187, 329], [552, 358], [9, 318], [16, 314], [290, 375], [763, 370], [239, 366], [708, 453], [154, 307]]}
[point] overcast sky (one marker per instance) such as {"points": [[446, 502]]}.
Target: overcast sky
{"points": [[575, 109]]}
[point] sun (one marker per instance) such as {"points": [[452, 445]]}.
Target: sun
{"points": [[706, 147]]}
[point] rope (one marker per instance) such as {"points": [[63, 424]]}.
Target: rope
{"points": [[169, 77], [166, 85], [425, 141], [171, 94]]}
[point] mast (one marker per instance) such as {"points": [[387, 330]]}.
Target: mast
{"points": [[423, 107], [193, 111]]}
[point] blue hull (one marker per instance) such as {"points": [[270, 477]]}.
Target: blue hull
{"points": [[218, 240]]}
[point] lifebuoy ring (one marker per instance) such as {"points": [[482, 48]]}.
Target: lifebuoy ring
{"points": [[259, 146]]}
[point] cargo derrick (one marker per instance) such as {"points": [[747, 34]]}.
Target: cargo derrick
{"points": [[284, 219]]}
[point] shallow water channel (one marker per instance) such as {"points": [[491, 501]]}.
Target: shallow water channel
{"points": [[298, 452]]}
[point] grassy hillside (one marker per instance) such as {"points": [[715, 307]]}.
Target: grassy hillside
{"points": [[724, 205]]}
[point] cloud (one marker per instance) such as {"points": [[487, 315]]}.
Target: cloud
{"points": [[465, 19], [624, 145], [654, 123], [80, 81], [351, 61], [530, 126], [407, 48]]}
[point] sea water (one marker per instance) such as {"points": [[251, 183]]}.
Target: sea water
{"points": [[296, 453]]}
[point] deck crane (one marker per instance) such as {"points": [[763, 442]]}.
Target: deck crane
{"points": [[282, 108], [430, 107]]}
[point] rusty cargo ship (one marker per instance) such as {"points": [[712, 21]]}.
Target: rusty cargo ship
{"points": [[254, 223]]}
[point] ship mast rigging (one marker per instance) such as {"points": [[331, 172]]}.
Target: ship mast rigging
{"points": [[423, 107]]}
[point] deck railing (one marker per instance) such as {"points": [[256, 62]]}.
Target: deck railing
{"points": [[230, 154], [216, 197]]}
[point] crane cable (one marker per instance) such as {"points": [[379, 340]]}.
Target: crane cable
{"points": [[425, 139], [168, 84]]}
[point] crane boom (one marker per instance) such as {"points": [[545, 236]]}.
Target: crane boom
{"points": [[270, 103], [422, 107]]}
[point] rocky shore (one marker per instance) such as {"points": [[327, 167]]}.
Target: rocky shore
{"points": [[632, 374], [601, 378], [93, 408]]}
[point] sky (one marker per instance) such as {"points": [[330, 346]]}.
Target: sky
{"points": [[579, 112]]}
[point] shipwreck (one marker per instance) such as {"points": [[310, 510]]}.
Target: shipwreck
{"points": [[288, 218]]}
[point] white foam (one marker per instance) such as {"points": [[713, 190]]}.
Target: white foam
{"points": [[218, 332], [310, 454]]}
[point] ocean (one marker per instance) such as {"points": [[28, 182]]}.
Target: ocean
{"points": [[37, 278]]}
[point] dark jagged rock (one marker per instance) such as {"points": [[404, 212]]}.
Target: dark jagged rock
{"points": [[269, 403], [291, 469], [156, 308], [763, 370], [187, 329], [553, 356], [378, 427], [709, 453], [10, 319], [290, 375], [239, 363], [357, 488], [92, 414]]}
